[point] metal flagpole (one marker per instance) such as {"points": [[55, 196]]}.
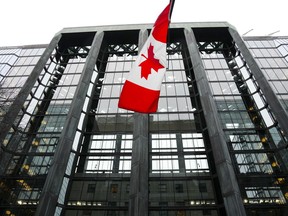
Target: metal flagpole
{"points": [[171, 8]]}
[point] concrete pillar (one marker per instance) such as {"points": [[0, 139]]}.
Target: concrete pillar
{"points": [[53, 183], [18, 103], [116, 160], [277, 109], [229, 187], [139, 186], [181, 159]]}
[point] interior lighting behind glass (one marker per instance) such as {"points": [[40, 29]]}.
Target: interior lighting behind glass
{"points": [[274, 164], [5, 142], [35, 143], [264, 139], [280, 180]]}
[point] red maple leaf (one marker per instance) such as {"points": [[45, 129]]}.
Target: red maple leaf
{"points": [[149, 63]]}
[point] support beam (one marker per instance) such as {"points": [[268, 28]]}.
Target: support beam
{"points": [[277, 109], [230, 190], [14, 109], [139, 187], [53, 183]]}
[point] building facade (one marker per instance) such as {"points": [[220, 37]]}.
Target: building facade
{"points": [[217, 145]]}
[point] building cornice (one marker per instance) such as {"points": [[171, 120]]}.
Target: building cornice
{"points": [[144, 26]]}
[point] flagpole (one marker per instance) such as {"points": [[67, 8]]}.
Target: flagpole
{"points": [[171, 8], [169, 17]]}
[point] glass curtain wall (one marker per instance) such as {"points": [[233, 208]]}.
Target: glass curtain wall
{"points": [[16, 65], [182, 176], [271, 55], [251, 131], [101, 183], [34, 135], [181, 180]]}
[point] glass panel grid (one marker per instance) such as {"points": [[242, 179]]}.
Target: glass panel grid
{"points": [[241, 106], [38, 127]]}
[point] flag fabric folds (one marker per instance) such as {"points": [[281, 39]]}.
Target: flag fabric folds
{"points": [[141, 90]]}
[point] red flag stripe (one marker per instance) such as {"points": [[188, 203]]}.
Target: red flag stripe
{"points": [[161, 25], [138, 98]]}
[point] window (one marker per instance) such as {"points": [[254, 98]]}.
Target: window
{"points": [[179, 188], [91, 188], [87, 213], [163, 213], [114, 188], [163, 203], [128, 188], [206, 212], [202, 187], [162, 188]]}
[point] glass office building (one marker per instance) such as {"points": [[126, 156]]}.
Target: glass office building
{"points": [[217, 145]]}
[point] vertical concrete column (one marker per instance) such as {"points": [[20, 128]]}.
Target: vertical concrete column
{"points": [[53, 183], [181, 159], [116, 160], [19, 101], [227, 178], [275, 105], [139, 187]]}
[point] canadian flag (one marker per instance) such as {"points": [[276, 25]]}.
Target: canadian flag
{"points": [[141, 90]]}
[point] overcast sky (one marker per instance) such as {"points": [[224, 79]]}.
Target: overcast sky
{"points": [[25, 22]]}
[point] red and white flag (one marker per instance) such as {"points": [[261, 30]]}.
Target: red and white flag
{"points": [[141, 90]]}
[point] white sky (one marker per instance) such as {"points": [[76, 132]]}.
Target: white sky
{"points": [[25, 22]]}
